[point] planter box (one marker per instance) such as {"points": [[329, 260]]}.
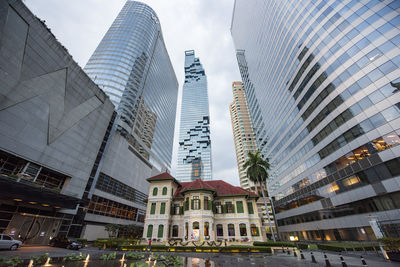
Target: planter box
{"points": [[394, 256]]}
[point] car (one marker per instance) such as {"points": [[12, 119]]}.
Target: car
{"points": [[8, 242], [65, 242]]}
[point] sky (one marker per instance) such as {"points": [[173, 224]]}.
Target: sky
{"points": [[202, 25]]}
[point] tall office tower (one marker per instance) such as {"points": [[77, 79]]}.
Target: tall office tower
{"points": [[131, 64], [243, 133], [326, 76], [194, 152], [245, 142]]}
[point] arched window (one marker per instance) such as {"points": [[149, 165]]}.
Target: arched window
{"points": [[175, 231], [254, 230], [231, 230], [243, 231], [155, 191], [164, 191], [206, 226], [160, 231], [149, 231], [220, 230], [196, 226]]}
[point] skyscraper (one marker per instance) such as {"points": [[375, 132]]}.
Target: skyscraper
{"points": [[194, 152], [244, 138], [243, 134], [131, 64], [325, 75]]}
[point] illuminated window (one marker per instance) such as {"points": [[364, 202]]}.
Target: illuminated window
{"points": [[206, 226], [243, 230]]}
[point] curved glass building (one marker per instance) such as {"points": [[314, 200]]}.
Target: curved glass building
{"points": [[194, 151], [131, 64], [325, 75]]}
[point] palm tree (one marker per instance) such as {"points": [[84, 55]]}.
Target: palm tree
{"points": [[257, 172]]}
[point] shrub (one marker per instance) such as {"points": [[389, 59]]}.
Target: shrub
{"points": [[200, 249], [390, 244], [274, 244], [82, 240], [302, 245], [114, 242]]}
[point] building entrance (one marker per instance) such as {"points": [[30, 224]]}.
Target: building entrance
{"points": [[33, 229]]}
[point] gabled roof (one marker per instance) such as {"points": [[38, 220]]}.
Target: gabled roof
{"points": [[219, 187], [162, 177]]}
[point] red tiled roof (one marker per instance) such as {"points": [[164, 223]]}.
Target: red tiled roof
{"points": [[220, 187], [162, 176]]}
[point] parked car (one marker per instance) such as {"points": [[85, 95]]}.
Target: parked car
{"points": [[65, 242], [7, 242]]}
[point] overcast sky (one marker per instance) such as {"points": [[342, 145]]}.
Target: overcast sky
{"points": [[202, 25]]}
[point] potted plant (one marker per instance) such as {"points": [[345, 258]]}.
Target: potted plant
{"points": [[207, 237]]}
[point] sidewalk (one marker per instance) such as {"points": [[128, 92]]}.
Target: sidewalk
{"points": [[334, 258]]}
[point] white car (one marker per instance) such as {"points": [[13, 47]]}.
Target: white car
{"points": [[8, 242]]}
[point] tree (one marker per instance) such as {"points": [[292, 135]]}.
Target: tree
{"points": [[257, 172], [112, 229]]}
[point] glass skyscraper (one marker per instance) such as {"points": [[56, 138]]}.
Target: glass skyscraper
{"points": [[325, 77], [131, 64], [194, 152]]}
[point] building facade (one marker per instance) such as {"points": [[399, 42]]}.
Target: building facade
{"points": [[244, 138], [200, 211], [54, 121], [243, 134], [245, 142], [325, 79], [132, 66], [194, 151]]}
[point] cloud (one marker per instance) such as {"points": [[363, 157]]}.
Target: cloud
{"points": [[202, 25]]}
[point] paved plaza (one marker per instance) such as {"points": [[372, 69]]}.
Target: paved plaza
{"points": [[225, 259]]}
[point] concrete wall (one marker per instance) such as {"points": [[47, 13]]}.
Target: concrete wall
{"points": [[51, 113]]}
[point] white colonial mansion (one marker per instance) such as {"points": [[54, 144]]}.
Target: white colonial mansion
{"points": [[200, 211]]}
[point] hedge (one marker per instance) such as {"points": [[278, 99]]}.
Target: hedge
{"points": [[199, 249], [274, 244], [302, 245], [339, 247], [114, 242]]}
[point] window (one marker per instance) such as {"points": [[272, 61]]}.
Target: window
{"points": [[218, 207], [239, 206], [254, 230], [242, 228], [196, 203], [187, 204], [187, 229], [229, 207], [155, 191], [149, 231], [206, 226], [177, 209], [175, 231], [6, 237], [164, 191], [162, 209], [196, 226], [153, 208], [206, 203], [160, 231], [220, 230], [231, 230]]}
